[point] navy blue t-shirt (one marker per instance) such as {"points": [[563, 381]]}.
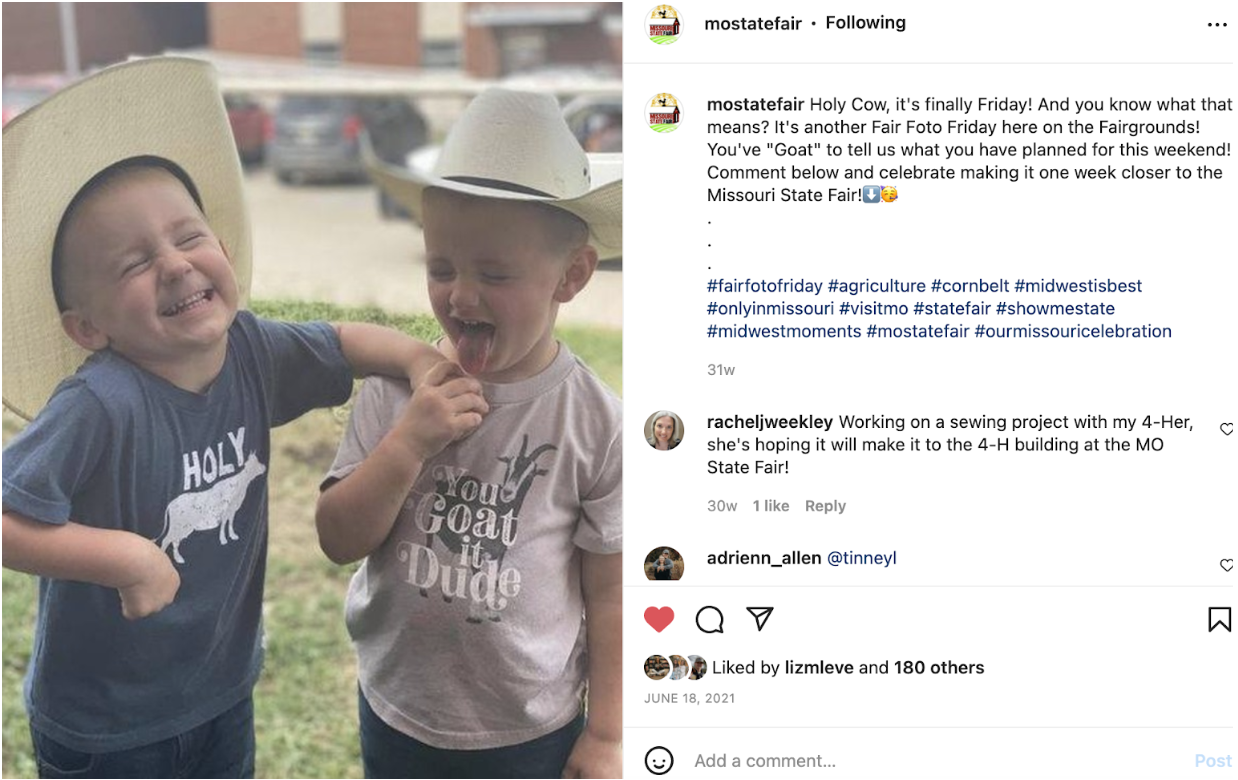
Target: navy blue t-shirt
{"points": [[117, 447]]}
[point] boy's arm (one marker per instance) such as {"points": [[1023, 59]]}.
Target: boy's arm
{"points": [[356, 514], [373, 349], [145, 577], [599, 750]]}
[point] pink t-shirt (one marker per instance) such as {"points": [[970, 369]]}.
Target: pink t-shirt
{"points": [[469, 620]]}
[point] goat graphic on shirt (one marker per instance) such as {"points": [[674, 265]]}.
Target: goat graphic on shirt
{"points": [[476, 521]]}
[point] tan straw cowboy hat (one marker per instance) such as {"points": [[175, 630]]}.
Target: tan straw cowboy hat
{"points": [[164, 107], [515, 146]]}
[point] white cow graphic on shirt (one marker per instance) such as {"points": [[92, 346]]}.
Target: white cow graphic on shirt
{"points": [[215, 507]]}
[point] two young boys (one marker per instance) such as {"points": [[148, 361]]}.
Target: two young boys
{"points": [[140, 490]]}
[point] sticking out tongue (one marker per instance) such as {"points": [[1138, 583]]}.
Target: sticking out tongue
{"points": [[473, 347]]}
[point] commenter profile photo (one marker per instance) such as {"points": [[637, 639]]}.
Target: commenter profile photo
{"points": [[664, 563], [663, 430]]}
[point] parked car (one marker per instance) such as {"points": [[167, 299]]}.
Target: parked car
{"points": [[597, 122], [23, 92], [249, 127], [318, 136]]}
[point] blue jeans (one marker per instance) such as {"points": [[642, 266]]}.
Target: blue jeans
{"points": [[222, 747], [386, 752]]}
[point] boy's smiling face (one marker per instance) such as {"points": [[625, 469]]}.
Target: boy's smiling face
{"points": [[145, 275], [497, 271]]}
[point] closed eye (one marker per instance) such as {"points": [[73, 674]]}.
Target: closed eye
{"points": [[135, 265], [190, 239]]}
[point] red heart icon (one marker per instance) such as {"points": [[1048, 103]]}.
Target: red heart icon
{"points": [[659, 618]]}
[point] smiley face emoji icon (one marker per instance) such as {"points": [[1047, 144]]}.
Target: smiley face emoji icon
{"points": [[659, 760], [889, 194]]}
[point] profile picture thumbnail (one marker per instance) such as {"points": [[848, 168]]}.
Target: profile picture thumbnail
{"points": [[664, 563], [662, 24], [663, 113], [657, 667], [663, 430], [679, 667], [697, 666]]}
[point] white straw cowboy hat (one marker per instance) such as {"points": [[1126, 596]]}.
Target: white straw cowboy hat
{"points": [[515, 146], [163, 107]]}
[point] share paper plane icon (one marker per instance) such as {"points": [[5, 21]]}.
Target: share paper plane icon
{"points": [[760, 614]]}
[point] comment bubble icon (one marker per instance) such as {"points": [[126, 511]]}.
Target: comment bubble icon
{"points": [[709, 620]]}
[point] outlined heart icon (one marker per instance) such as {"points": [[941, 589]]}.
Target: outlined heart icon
{"points": [[1227, 428], [1226, 563], [659, 618]]}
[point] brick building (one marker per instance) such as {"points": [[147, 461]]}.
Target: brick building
{"points": [[486, 40], [106, 33]]}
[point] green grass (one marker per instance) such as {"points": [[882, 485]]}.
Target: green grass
{"points": [[664, 38], [663, 128], [306, 700]]}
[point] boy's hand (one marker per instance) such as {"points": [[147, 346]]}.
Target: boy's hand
{"points": [[593, 756], [134, 565], [355, 515], [447, 405], [154, 584]]}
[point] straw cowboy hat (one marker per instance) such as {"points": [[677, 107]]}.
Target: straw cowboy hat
{"points": [[165, 107], [515, 146]]}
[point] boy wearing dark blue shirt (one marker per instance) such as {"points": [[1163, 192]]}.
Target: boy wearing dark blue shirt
{"points": [[139, 492]]}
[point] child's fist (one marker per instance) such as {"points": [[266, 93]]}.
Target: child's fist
{"points": [[154, 584], [593, 756], [448, 405]]}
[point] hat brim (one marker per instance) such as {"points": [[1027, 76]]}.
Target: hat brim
{"points": [[166, 107], [601, 207]]}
